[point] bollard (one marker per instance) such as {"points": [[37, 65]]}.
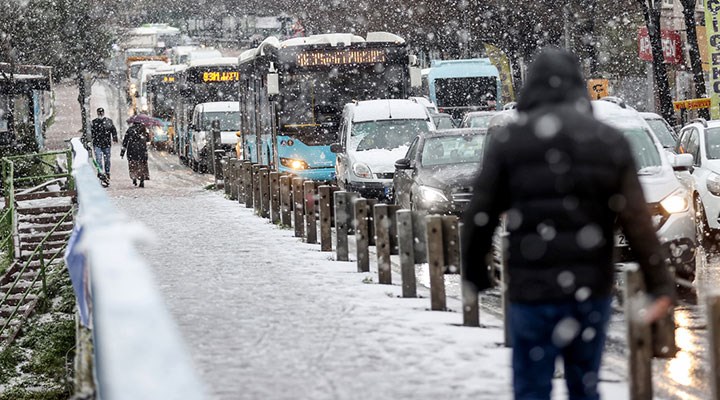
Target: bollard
{"points": [[264, 183], [310, 220], [436, 262], [470, 304], [392, 210], [451, 244], [224, 168], [274, 197], [406, 248], [325, 206], [298, 199], [239, 185], [361, 235], [382, 243], [639, 337], [341, 225], [229, 179], [351, 196], [285, 201], [419, 227], [713, 323], [248, 180], [499, 270], [371, 221], [257, 200]]}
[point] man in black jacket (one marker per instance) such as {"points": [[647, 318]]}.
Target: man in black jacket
{"points": [[563, 180], [103, 132]]}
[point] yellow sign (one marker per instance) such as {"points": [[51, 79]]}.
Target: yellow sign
{"points": [[712, 27], [217, 76], [692, 104], [500, 60], [340, 57], [168, 79], [598, 88]]}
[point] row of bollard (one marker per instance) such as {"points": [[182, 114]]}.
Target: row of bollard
{"points": [[417, 238]]}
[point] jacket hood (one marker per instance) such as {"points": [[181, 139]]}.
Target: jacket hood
{"points": [[554, 77]]}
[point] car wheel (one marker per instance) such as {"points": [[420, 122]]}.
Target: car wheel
{"points": [[705, 235]]}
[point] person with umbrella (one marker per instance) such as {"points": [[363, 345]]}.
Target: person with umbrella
{"points": [[135, 145]]}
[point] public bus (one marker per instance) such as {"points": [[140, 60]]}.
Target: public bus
{"points": [[162, 91], [459, 86], [292, 94], [203, 81]]}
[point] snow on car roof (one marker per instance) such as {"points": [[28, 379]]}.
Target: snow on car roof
{"points": [[385, 109], [618, 116], [216, 106]]}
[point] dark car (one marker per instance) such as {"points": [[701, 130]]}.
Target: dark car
{"points": [[443, 121], [437, 173]]}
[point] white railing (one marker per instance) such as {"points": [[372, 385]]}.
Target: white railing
{"points": [[139, 353]]}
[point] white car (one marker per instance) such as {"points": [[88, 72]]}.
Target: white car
{"points": [[701, 139], [373, 135], [669, 201]]}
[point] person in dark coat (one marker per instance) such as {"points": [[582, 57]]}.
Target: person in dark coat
{"points": [[562, 179], [135, 145], [103, 134]]}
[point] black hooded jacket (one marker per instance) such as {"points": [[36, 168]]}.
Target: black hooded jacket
{"points": [[563, 179], [135, 143], [103, 132]]}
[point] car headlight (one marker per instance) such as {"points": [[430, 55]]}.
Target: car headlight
{"points": [[429, 194], [713, 184], [293, 163], [676, 202], [361, 170]]}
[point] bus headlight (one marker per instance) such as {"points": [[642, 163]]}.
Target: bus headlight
{"points": [[293, 163], [713, 184], [676, 202], [361, 170]]}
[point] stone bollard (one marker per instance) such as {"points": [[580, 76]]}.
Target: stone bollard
{"points": [[341, 225], [470, 300], [248, 180], [383, 243], [225, 171], [285, 200], [274, 197], [310, 219], [325, 205], [264, 183], [436, 261], [639, 337], [361, 234], [406, 249], [239, 183], [713, 323], [298, 200], [257, 194]]}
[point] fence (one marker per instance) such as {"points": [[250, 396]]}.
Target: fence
{"points": [[137, 349], [416, 238]]}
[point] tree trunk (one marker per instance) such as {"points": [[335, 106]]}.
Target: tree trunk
{"points": [[81, 99], [652, 20], [694, 52]]}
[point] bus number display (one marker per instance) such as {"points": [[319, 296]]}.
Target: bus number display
{"points": [[340, 57], [217, 76], [168, 79]]}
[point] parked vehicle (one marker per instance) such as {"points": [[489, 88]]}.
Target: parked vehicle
{"points": [[373, 135], [437, 173], [459, 86], [477, 119], [431, 107], [443, 121], [701, 139], [227, 114], [670, 203], [662, 129]]}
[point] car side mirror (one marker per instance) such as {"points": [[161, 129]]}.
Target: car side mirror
{"points": [[403, 163], [682, 162], [337, 148]]}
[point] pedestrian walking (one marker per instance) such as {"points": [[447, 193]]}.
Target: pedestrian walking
{"points": [[103, 134], [563, 180], [135, 145]]}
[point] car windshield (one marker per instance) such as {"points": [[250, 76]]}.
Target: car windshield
{"points": [[712, 143], [644, 150], [443, 122], [478, 121], [662, 131], [457, 149], [229, 120], [387, 134]]}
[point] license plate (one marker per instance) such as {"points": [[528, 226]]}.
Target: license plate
{"points": [[388, 191], [621, 240]]}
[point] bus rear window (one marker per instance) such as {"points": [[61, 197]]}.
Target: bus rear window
{"points": [[465, 92]]}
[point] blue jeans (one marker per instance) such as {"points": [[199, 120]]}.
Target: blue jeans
{"points": [[542, 332], [103, 154]]}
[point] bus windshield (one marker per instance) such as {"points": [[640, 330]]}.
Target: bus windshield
{"points": [[229, 120], [466, 92], [311, 102]]}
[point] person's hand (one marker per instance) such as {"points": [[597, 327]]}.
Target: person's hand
{"points": [[658, 309]]}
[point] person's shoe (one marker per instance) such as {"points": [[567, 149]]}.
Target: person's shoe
{"points": [[134, 182], [108, 175], [142, 183]]}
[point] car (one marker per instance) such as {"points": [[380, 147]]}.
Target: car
{"points": [[431, 107], [477, 119], [437, 173], [374, 134], [701, 139], [227, 115], [662, 130], [670, 202], [443, 121]]}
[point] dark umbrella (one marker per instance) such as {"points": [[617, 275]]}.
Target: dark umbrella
{"points": [[144, 119]]}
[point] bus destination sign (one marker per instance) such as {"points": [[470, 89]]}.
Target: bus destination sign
{"points": [[220, 76], [340, 57]]}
